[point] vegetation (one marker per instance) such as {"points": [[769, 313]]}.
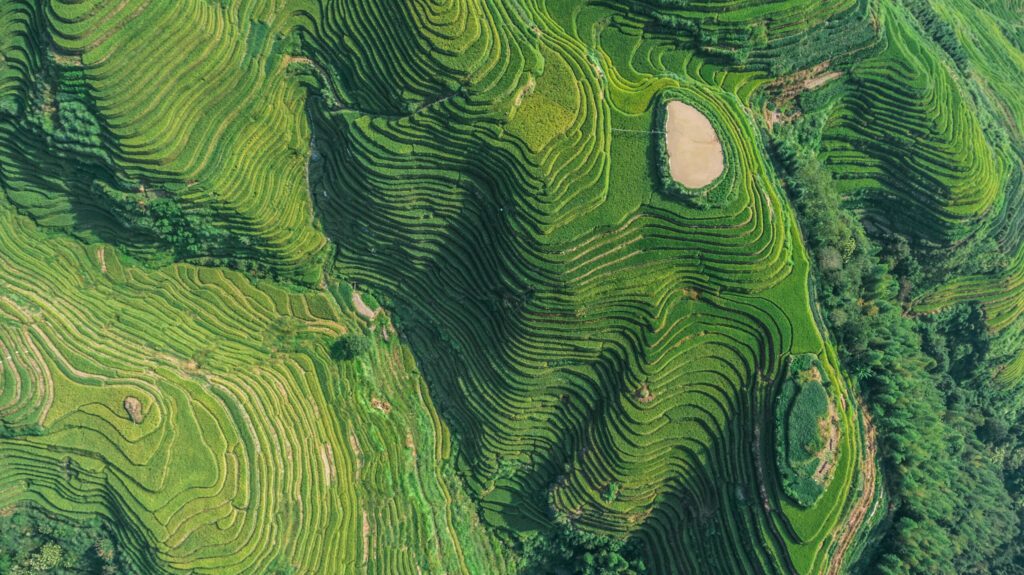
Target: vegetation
{"points": [[800, 412], [591, 369], [34, 543], [568, 550], [350, 346], [952, 507]]}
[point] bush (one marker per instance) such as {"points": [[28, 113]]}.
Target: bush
{"points": [[350, 347], [569, 550], [32, 541]]}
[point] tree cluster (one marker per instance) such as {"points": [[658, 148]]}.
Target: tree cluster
{"points": [[952, 510], [568, 550], [35, 543], [350, 346]]}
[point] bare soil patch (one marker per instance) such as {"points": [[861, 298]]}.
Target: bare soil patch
{"points": [[828, 455], [362, 309], [327, 457], [133, 406], [695, 156], [644, 394], [865, 503], [354, 442], [381, 405], [525, 91], [819, 81]]}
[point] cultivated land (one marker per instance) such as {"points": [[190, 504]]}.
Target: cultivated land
{"points": [[511, 286]]}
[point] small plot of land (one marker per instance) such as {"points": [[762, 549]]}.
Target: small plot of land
{"points": [[695, 156], [362, 308]]}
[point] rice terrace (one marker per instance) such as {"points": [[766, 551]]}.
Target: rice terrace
{"points": [[569, 287]]}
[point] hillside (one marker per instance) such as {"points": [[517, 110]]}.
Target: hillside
{"points": [[510, 286]]}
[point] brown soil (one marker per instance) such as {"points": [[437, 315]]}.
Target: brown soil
{"points": [[786, 88], [828, 428], [527, 89], [69, 60], [410, 443], [133, 406], [819, 81], [327, 457], [354, 442], [381, 405], [812, 374], [101, 257], [695, 157], [866, 502], [363, 310], [644, 395]]}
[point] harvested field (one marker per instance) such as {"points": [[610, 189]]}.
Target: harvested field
{"points": [[694, 152]]}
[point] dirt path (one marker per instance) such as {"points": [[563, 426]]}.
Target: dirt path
{"points": [[362, 309], [101, 256], [327, 457], [859, 513], [819, 81]]}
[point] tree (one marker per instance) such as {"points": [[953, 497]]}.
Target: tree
{"points": [[33, 542], [350, 346]]}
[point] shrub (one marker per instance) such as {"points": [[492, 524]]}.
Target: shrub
{"points": [[32, 541], [801, 405], [349, 347], [569, 550], [612, 493]]}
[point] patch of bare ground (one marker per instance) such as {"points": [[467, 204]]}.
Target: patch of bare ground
{"points": [[526, 90], [819, 81], [327, 457], [695, 157], [786, 88], [353, 441], [644, 395], [789, 86], [362, 310], [410, 443], [771, 117], [68, 60], [381, 405], [133, 407], [828, 428]]}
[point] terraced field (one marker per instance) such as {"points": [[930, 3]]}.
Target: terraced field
{"points": [[203, 202], [603, 331]]}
